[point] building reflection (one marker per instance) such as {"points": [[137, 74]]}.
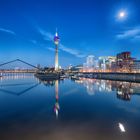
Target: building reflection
{"points": [[54, 83], [56, 106], [15, 76], [48, 82], [18, 76], [124, 90]]}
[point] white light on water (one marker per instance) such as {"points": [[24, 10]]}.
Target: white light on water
{"points": [[122, 128]]}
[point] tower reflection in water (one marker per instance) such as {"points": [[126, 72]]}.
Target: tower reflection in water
{"points": [[54, 83], [56, 106], [124, 90]]}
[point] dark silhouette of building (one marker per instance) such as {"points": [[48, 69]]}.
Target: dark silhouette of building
{"points": [[124, 62]]}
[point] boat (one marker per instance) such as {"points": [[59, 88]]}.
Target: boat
{"points": [[48, 76]]}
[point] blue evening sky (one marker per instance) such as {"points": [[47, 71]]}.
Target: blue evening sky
{"points": [[85, 27]]}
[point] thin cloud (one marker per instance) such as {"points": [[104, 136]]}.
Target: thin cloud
{"points": [[49, 37], [71, 51], [137, 37], [133, 33], [33, 41], [51, 49], [7, 31]]}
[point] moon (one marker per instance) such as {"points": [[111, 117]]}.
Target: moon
{"points": [[122, 15]]}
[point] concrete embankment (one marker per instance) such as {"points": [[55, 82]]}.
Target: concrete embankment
{"points": [[131, 77]]}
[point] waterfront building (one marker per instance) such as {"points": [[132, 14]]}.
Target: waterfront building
{"points": [[38, 66], [96, 64], [102, 61], [90, 63], [124, 62], [76, 68], [135, 66], [85, 66], [110, 60], [105, 62]]}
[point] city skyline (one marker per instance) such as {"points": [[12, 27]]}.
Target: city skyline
{"points": [[100, 28]]}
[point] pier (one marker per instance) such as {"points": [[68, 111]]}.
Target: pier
{"points": [[131, 77]]}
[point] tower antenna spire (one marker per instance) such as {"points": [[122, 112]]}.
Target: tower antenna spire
{"points": [[56, 34]]}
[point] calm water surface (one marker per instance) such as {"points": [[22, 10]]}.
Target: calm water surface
{"points": [[70, 109]]}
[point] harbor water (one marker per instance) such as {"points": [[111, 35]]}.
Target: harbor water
{"points": [[68, 109]]}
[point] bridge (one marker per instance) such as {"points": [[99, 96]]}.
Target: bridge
{"points": [[18, 70]]}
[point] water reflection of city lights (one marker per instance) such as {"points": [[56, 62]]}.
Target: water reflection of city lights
{"points": [[124, 90], [56, 106], [14, 76], [119, 93], [56, 109], [121, 127]]}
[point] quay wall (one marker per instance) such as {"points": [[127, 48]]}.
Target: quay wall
{"points": [[134, 77]]}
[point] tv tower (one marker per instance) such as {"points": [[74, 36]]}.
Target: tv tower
{"points": [[56, 42]]}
